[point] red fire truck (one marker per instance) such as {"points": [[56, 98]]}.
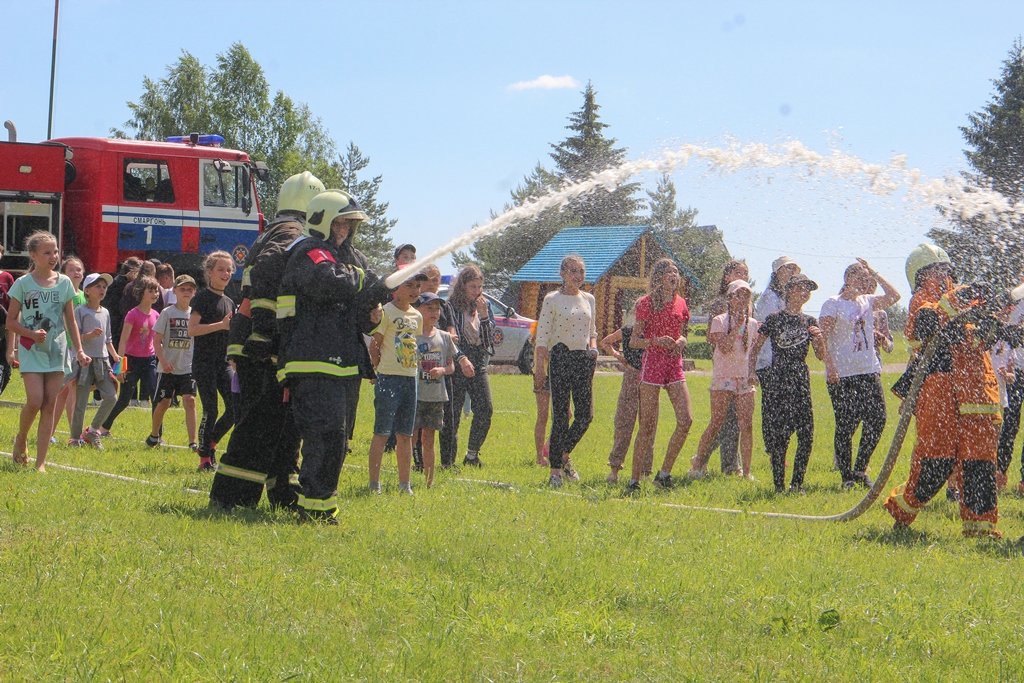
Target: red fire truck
{"points": [[109, 199]]}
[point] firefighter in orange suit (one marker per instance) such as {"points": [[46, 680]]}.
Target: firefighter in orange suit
{"points": [[958, 411]]}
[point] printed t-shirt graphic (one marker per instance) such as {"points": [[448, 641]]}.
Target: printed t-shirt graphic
{"points": [[398, 347], [42, 308]]}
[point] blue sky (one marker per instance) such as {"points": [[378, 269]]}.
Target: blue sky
{"points": [[424, 90]]}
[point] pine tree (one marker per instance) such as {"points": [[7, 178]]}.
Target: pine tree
{"points": [[576, 157], [372, 237], [700, 249], [995, 140], [588, 152]]}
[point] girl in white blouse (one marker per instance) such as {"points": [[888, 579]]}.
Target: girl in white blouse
{"points": [[567, 342]]}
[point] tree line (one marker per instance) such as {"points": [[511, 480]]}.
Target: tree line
{"points": [[232, 98]]}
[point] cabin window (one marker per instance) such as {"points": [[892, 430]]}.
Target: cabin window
{"points": [[147, 180], [226, 187]]}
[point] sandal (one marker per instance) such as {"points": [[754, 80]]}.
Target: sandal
{"points": [[19, 459]]}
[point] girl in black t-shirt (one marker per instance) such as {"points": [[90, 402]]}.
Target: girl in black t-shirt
{"points": [[786, 399], [208, 325]]}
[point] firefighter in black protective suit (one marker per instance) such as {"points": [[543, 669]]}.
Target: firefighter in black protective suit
{"points": [[322, 305], [264, 445]]}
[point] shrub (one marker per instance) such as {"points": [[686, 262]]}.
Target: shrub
{"points": [[699, 350]]}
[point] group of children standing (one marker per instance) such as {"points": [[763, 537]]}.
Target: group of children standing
{"points": [[50, 312], [181, 351], [766, 349]]}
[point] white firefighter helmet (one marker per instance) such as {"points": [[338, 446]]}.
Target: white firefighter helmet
{"points": [[922, 256], [297, 191], [327, 206]]}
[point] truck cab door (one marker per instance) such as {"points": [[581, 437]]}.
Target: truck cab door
{"points": [[228, 219], [149, 217]]}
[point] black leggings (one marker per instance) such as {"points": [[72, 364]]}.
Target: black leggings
{"points": [[572, 376], [479, 389], [211, 379], [1011, 423], [140, 369], [785, 410], [855, 400]]}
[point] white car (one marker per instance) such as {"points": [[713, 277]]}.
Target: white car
{"points": [[511, 336]]}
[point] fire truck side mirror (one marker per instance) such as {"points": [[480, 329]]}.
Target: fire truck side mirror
{"points": [[262, 171]]}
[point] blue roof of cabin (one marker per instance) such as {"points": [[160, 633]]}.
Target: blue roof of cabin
{"points": [[599, 247]]}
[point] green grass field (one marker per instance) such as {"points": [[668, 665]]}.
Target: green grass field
{"points": [[111, 580]]}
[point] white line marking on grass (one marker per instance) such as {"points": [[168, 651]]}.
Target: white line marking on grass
{"points": [[119, 477]]}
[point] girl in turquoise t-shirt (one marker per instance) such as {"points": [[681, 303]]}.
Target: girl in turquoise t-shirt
{"points": [[42, 308]]}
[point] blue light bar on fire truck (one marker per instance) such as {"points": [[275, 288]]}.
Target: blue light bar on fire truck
{"points": [[207, 140]]}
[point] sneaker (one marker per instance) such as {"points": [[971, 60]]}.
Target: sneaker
{"points": [[848, 484], [206, 465], [105, 433], [796, 490], [694, 473], [568, 472], [863, 479], [153, 441], [632, 488], [75, 443], [612, 478], [555, 481], [749, 477], [53, 439], [405, 489], [663, 482], [375, 488], [92, 438], [135, 403], [472, 462], [780, 490]]}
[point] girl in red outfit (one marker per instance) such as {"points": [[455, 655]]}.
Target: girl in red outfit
{"points": [[661, 326]]}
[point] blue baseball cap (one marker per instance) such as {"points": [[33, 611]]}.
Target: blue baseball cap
{"points": [[426, 298]]}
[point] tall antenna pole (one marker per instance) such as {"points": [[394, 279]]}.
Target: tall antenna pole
{"points": [[53, 69]]}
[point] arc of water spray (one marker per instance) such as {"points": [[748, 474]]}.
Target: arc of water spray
{"points": [[954, 195]]}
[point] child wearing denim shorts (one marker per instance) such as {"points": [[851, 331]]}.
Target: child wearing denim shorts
{"points": [[436, 353], [395, 358]]}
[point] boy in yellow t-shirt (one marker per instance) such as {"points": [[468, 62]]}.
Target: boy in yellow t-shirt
{"points": [[393, 353]]}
